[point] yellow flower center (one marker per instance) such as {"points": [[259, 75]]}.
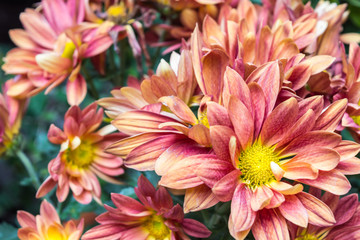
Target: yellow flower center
{"points": [[156, 227], [54, 233], [69, 50], [356, 119], [80, 157], [307, 237], [203, 119], [254, 164], [117, 11]]}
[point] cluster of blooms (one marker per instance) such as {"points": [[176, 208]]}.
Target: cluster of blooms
{"points": [[273, 88]]}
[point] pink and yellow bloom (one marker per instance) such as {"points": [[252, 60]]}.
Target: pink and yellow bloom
{"points": [[257, 143], [52, 47], [81, 158], [47, 225], [154, 218]]}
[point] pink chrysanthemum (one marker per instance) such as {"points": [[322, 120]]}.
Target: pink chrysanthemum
{"points": [[82, 157], [154, 218]]}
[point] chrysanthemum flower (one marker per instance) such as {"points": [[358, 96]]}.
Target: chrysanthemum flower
{"points": [[47, 225], [257, 144], [52, 47], [346, 211], [11, 113], [165, 129], [154, 218], [82, 157]]}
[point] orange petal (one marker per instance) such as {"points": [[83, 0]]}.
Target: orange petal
{"points": [[199, 198]]}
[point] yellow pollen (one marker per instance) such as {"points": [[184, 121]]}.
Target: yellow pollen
{"points": [[356, 119], [307, 237], [156, 227], [254, 164], [203, 119], [117, 11], [80, 157], [69, 50]]}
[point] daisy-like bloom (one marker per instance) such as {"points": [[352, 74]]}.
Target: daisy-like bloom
{"points": [[47, 225], [51, 48], [11, 113], [347, 213], [258, 143], [81, 158], [155, 217]]}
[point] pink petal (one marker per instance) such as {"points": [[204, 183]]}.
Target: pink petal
{"points": [[319, 213], [270, 225], [293, 210], [242, 215]]}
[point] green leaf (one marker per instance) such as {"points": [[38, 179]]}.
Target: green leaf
{"points": [[355, 3], [8, 231], [354, 15]]}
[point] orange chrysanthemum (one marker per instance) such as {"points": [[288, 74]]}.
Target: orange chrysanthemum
{"points": [[47, 225], [82, 157]]}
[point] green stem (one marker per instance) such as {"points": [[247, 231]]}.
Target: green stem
{"points": [[29, 168]]}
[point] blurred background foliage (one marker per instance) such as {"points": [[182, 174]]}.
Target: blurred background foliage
{"points": [[16, 188]]}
